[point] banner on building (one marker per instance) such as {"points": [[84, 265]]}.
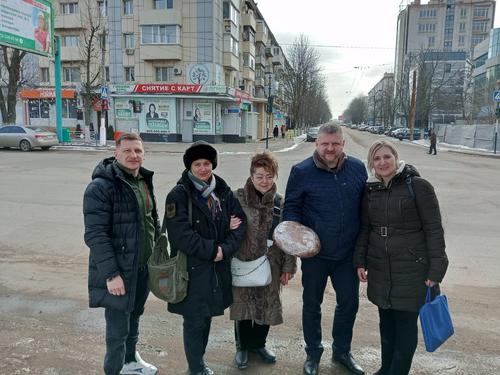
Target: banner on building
{"points": [[203, 113], [158, 116], [27, 25]]}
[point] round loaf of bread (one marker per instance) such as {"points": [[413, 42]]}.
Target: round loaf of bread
{"points": [[296, 239]]}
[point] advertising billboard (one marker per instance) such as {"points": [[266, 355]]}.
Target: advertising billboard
{"points": [[27, 25]]}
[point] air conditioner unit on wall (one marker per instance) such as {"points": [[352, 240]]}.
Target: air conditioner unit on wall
{"points": [[129, 51], [177, 71]]}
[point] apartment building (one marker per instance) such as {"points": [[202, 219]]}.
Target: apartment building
{"points": [[176, 70], [447, 30], [380, 101]]}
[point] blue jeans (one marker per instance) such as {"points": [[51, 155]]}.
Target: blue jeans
{"points": [[122, 328], [315, 274]]}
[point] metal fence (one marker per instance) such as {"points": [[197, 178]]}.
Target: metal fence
{"points": [[473, 136]]}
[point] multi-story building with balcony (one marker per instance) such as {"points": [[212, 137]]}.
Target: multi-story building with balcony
{"points": [[175, 69], [445, 29]]}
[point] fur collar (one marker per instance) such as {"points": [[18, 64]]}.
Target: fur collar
{"points": [[253, 199]]}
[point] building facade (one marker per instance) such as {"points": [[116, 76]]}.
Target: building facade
{"points": [[381, 102], [173, 70], [433, 36]]}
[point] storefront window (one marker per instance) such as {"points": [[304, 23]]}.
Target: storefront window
{"points": [[44, 109], [34, 109], [69, 108]]}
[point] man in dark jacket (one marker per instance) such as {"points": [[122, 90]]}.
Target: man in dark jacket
{"points": [[121, 225], [433, 140], [324, 193]]}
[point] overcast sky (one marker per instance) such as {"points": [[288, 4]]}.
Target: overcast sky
{"points": [[361, 35]]}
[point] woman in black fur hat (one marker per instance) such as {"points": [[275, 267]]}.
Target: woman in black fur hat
{"points": [[206, 222]]}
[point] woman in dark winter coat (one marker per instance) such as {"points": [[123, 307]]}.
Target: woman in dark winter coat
{"points": [[255, 309], [209, 244], [400, 251]]}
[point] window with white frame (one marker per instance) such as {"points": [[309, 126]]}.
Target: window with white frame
{"points": [[248, 34], [128, 7], [480, 26], [160, 34], [461, 27], [70, 41], [72, 74], [69, 8], [231, 44], [426, 27], [229, 12], [128, 41], [461, 40], [44, 75], [463, 12], [164, 74], [430, 41], [481, 12], [103, 7], [163, 4], [248, 60], [476, 40], [129, 74], [69, 108]]}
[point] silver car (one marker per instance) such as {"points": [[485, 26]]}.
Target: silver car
{"points": [[26, 138]]}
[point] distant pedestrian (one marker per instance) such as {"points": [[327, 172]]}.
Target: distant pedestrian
{"points": [[275, 131], [433, 139], [283, 131]]}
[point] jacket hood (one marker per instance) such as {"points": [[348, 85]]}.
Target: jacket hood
{"points": [[404, 171], [105, 169]]}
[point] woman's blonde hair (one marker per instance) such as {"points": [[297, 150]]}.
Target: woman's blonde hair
{"points": [[265, 160], [377, 145]]}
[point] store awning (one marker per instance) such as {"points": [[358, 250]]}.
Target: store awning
{"points": [[46, 94]]}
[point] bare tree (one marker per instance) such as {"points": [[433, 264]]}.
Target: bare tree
{"points": [[92, 46], [357, 111], [17, 69], [304, 84]]}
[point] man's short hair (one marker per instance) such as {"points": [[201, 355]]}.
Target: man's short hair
{"points": [[330, 128], [128, 137]]}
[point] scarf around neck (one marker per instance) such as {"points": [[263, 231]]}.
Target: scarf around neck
{"points": [[207, 192]]}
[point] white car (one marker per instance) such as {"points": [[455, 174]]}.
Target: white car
{"points": [[26, 138]]}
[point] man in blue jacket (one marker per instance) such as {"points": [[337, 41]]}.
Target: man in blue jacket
{"points": [[324, 193], [121, 225]]}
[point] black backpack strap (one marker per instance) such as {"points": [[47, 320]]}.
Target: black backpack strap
{"points": [[409, 184], [277, 213]]}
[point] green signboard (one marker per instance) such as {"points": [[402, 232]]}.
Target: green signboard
{"points": [[27, 25]]}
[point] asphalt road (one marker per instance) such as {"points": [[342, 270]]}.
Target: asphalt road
{"points": [[46, 327]]}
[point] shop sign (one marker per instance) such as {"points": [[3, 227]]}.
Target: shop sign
{"points": [[160, 88]]}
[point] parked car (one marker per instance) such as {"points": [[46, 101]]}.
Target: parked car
{"points": [[312, 134], [26, 138], [405, 134]]}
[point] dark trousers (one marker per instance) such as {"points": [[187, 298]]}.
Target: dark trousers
{"points": [[250, 335], [432, 147], [196, 330], [398, 339], [315, 274], [122, 328]]}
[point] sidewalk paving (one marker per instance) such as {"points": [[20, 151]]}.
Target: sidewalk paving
{"points": [[274, 144]]}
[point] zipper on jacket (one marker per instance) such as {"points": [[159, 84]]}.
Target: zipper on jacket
{"points": [[341, 202], [386, 248]]}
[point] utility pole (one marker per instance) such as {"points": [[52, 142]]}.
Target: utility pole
{"points": [[497, 115], [413, 105], [58, 93]]}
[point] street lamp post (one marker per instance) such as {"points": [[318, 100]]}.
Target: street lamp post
{"points": [[269, 108]]}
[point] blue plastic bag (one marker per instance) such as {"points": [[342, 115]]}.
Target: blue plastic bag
{"points": [[435, 320]]}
